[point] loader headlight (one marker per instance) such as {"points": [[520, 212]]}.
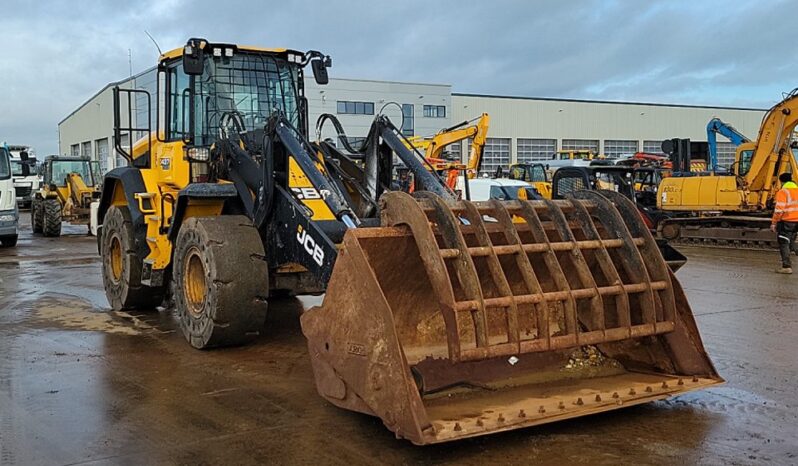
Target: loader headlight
{"points": [[7, 218], [198, 154]]}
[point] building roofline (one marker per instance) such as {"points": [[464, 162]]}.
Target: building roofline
{"points": [[111, 84], [383, 81], [608, 102]]}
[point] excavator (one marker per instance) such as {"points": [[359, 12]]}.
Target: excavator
{"points": [[433, 148], [731, 209], [443, 317], [717, 126], [70, 185]]}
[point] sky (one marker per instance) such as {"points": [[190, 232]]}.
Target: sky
{"points": [[57, 54]]}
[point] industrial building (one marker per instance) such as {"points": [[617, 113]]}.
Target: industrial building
{"points": [[522, 128]]}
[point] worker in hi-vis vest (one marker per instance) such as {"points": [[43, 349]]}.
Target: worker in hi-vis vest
{"points": [[785, 220]]}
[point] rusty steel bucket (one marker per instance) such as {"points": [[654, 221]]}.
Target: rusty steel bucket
{"points": [[454, 320]]}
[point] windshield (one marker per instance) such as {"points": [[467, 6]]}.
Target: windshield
{"points": [[16, 168], [61, 168], [250, 86], [5, 167]]}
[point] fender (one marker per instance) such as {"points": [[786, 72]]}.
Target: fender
{"points": [[131, 182], [204, 191]]}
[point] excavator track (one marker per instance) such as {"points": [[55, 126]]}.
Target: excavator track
{"points": [[732, 232]]}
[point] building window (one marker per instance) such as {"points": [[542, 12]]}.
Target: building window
{"points": [[435, 111], [75, 150], [615, 148], [652, 147], [85, 149], [355, 108], [407, 119], [496, 153], [726, 152], [581, 144], [529, 150], [102, 154]]}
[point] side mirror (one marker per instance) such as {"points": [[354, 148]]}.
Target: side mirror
{"points": [[319, 66], [194, 57], [24, 155], [25, 169]]}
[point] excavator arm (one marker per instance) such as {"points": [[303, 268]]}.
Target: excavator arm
{"points": [[717, 126], [771, 153]]}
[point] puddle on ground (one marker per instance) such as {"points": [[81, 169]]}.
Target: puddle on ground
{"points": [[76, 314]]}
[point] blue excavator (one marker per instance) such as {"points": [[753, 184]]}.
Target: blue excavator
{"points": [[717, 126]]}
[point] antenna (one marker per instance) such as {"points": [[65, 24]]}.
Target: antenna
{"points": [[130, 61], [154, 42]]}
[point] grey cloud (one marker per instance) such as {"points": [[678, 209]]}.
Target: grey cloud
{"points": [[58, 53]]}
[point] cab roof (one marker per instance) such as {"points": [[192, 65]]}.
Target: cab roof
{"points": [[174, 53]]}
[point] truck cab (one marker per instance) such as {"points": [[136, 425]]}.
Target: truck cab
{"points": [[24, 173], [9, 215]]}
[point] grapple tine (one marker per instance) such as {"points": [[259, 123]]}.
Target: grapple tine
{"points": [[567, 309]]}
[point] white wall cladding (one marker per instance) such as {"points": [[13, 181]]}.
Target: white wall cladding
{"points": [[569, 120], [522, 129]]}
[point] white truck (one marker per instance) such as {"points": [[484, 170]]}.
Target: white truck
{"points": [[9, 215], [24, 173]]}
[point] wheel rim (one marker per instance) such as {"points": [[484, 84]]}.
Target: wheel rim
{"points": [[194, 282], [116, 259]]}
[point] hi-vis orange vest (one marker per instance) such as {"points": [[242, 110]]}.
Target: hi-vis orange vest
{"points": [[786, 203]]}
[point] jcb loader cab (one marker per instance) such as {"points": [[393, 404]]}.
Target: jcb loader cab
{"points": [[445, 318], [69, 187]]}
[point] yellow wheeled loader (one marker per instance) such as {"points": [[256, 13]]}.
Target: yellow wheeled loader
{"points": [[445, 318], [70, 185]]}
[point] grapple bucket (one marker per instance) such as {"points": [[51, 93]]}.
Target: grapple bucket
{"points": [[453, 320]]}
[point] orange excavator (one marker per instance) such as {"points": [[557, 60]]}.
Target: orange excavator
{"points": [[434, 147]]}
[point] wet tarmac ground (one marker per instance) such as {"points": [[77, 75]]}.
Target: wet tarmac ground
{"points": [[80, 384]]}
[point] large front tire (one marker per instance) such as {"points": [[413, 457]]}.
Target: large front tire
{"points": [[221, 281], [122, 266], [51, 225]]}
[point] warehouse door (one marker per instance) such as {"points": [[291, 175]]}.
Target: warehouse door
{"points": [[102, 154], [530, 150], [617, 148], [581, 144]]}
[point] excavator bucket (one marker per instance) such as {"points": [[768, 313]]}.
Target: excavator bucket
{"points": [[459, 319]]}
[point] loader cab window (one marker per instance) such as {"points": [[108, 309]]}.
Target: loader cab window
{"points": [[248, 87], [178, 87], [57, 171], [744, 165]]}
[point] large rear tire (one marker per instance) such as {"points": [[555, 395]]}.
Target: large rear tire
{"points": [[51, 210], [121, 265], [36, 216], [221, 281]]}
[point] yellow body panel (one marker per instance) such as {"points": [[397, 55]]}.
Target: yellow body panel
{"points": [[178, 52], [699, 193], [544, 188], [303, 188]]}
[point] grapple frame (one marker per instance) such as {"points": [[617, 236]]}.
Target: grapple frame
{"points": [[460, 319]]}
